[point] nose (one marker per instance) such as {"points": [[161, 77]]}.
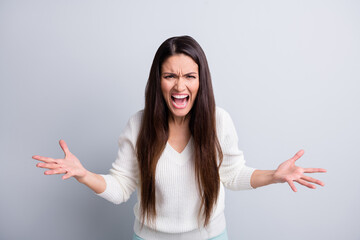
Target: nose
{"points": [[180, 84]]}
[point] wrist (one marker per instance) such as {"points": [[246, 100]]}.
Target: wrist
{"points": [[83, 177], [262, 178], [277, 177], [273, 177]]}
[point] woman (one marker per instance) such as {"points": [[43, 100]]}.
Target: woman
{"points": [[180, 152]]}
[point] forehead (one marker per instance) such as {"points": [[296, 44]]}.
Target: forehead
{"points": [[179, 63]]}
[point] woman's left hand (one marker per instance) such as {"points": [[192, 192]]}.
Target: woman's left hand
{"points": [[289, 172]]}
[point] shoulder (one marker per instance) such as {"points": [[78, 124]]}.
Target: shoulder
{"points": [[222, 116], [136, 118], [133, 125], [224, 125]]}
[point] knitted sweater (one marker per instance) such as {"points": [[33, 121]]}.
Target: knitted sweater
{"points": [[177, 197]]}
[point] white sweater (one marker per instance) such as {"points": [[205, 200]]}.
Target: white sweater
{"points": [[177, 198]]}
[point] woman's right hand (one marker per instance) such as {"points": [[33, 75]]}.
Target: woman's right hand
{"points": [[69, 165]]}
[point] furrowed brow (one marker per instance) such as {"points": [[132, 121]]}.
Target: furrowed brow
{"points": [[168, 73], [191, 73]]}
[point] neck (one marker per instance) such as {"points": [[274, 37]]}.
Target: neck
{"points": [[179, 132], [179, 121]]}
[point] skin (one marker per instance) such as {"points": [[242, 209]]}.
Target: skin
{"points": [[287, 172], [179, 75], [70, 166]]}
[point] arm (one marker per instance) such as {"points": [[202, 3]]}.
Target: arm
{"points": [[94, 181], [261, 178], [234, 174], [120, 183], [287, 172], [71, 167]]}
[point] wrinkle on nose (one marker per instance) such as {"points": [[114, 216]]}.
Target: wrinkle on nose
{"points": [[180, 84]]}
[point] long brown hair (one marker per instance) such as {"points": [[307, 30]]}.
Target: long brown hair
{"points": [[154, 130]]}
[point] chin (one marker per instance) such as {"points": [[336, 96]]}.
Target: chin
{"points": [[180, 113]]}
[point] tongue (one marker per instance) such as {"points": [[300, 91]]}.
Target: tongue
{"points": [[179, 100]]}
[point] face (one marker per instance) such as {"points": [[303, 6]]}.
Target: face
{"points": [[179, 84]]}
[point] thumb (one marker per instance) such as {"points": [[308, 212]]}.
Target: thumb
{"points": [[64, 147], [298, 155]]}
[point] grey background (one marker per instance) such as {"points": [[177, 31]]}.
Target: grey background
{"points": [[286, 71]]}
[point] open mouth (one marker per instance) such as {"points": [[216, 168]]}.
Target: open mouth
{"points": [[179, 101]]}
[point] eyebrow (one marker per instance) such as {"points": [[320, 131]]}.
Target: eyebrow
{"points": [[176, 74]]}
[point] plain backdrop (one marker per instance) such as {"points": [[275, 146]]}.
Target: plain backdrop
{"points": [[287, 72]]}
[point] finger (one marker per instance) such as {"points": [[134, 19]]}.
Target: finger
{"points": [[66, 176], [292, 185], [47, 165], [305, 183], [313, 180], [55, 171], [43, 159], [314, 170], [64, 147], [298, 155]]}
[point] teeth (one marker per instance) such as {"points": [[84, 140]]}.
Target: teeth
{"points": [[180, 96]]}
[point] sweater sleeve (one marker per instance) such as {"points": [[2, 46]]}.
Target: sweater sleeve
{"points": [[123, 177], [234, 174]]}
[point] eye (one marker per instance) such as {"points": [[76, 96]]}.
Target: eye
{"points": [[190, 77], [169, 76]]}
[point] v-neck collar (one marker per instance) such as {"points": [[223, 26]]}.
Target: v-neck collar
{"points": [[185, 150]]}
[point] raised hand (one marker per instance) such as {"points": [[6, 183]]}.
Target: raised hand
{"points": [[289, 172], [69, 165]]}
